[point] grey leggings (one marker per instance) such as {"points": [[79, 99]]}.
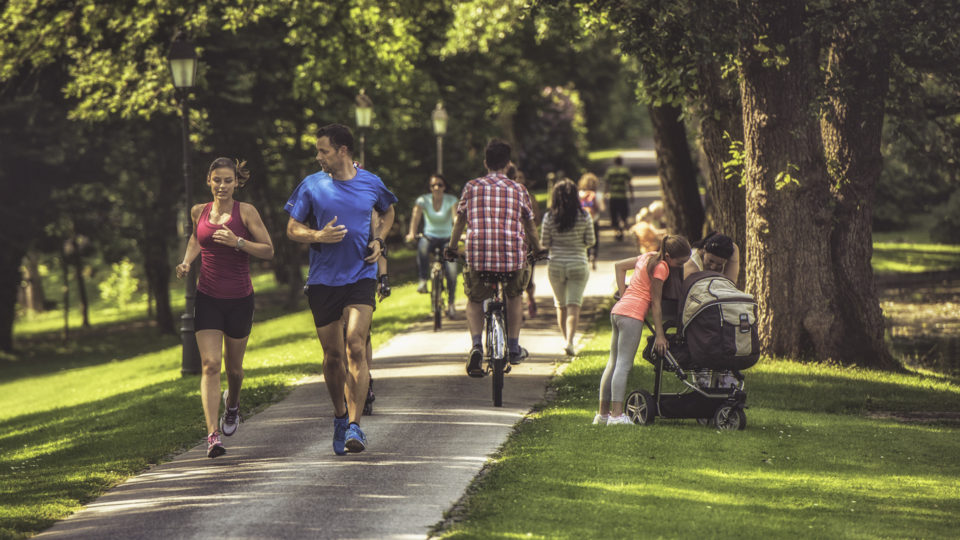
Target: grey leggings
{"points": [[623, 348]]}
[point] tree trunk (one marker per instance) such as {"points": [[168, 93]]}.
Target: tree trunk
{"points": [[77, 262], [65, 267], [852, 131], [721, 122], [788, 223], [678, 175], [34, 298], [10, 277]]}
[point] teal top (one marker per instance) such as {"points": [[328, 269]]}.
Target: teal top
{"points": [[437, 224]]}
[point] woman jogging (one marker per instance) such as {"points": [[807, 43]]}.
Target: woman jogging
{"points": [[641, 297], [436, 208], [568, 233], [225, 232]]}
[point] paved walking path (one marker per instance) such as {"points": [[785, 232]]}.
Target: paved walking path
{"points": [[431, 432]]}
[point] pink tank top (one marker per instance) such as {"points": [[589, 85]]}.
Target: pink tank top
{"points": [[224, 271]]}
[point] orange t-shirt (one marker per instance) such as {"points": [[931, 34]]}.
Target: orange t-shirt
{"points": [[636, 299]]}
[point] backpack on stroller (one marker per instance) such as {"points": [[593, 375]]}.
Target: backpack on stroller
{"points": [[713, 336]]}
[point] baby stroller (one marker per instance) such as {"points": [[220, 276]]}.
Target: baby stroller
{"points": [[712, 337]]}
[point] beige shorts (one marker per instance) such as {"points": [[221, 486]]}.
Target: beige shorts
{"points": [[478, 291]]}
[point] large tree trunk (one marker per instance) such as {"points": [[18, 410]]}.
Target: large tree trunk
{"points": [[789, 224], [721, 122], [678, 175], [852, 131]]}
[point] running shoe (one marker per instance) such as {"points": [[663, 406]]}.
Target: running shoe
{"points": [[422, 287], [231, 417], [618, 420], [475, 363], [356, 440], [214, 446], [600, 419], [520, 356], [340, 426]]}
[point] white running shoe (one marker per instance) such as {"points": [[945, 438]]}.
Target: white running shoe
{"points": [[231, 417], [600, 419], [617, 420]]}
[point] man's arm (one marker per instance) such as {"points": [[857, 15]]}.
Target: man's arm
{"points": [[376, 243], [329, 234], [530, 229], [459, 224]]}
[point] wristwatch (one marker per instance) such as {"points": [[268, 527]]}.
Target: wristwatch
{"points": [[383, 247], [240, 243]]}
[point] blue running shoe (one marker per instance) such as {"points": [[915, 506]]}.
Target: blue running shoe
{"points": [[340, 426], [356, 440]]}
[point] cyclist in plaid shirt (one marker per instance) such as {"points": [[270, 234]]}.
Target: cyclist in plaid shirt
{"points": [[498, 212]]}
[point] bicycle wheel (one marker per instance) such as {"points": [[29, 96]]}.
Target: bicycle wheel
{"points": [[498, 341], [436, 298]]}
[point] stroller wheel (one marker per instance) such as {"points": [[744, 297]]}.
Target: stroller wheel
{"points": [[732, 418], [704, 421], [640, 407]]}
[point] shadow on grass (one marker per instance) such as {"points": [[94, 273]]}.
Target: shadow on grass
{"points": [[109, 440]]}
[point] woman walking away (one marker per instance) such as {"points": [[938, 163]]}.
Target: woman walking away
{"points": [[436, 208], [641, 297], [567, 232], [226, 232], [591, 203]]}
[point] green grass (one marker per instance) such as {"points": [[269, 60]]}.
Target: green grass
{"points": [[900, 257], [72, 414], [811, 463]]}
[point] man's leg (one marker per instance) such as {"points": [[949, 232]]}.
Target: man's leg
{"points": [[334, 360], [357, 373]]}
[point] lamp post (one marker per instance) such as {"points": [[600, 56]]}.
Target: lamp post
{"points": [[439, 117], [183, 69], [364, 114]]}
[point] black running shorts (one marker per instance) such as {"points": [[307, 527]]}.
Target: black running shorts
{"points": [[327, 303], [232, 316]]}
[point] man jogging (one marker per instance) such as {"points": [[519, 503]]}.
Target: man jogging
{"points": [[342, 283]]}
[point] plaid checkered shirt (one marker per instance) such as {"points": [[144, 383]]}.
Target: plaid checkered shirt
{"points": [[495, 207]]}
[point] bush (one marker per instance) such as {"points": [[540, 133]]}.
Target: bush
{"points": [[118, 289]]}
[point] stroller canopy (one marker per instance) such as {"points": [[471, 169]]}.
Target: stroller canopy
{"points": [[718, 321]]}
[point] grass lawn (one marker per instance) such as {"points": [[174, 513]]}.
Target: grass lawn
{"points": [[812, 463], [79, 417], [902, 257]]}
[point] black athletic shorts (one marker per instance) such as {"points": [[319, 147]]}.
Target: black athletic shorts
{"points": [[327, 303], [232, 316]]}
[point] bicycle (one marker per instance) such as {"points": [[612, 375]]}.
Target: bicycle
{"points": [[437, 287], [496, 351]]}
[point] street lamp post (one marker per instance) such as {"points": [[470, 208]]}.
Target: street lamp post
{"points": [[364, 115], [183, 68], [439, 117]]}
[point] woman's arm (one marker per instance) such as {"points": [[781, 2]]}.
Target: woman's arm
{"points": [[193, 246], [262, 245], [656, 294], [546, 236], [620, 269], [414, 222]]}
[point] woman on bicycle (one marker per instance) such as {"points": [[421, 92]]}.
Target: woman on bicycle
{"points": [[640, 298], [437, 210], [226, 232], [568, 233]]}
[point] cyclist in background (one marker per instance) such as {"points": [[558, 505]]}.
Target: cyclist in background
{"points": [[437, 209], [500, 218]]}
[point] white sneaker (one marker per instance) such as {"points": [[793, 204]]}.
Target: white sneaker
{"points": [[422, 286], [451, 312], [231, 417], [600, 419], [617, 420]]}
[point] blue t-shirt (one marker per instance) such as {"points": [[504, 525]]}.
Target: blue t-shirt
{"points": [[317, 200], [437, 224]]}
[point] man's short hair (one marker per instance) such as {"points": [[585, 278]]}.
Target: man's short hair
{"points": [[497, 155], [618, 160], [339, 135]]}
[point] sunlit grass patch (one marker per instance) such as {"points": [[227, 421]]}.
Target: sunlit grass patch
{"points": [[810, 464], [893, 257]]}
